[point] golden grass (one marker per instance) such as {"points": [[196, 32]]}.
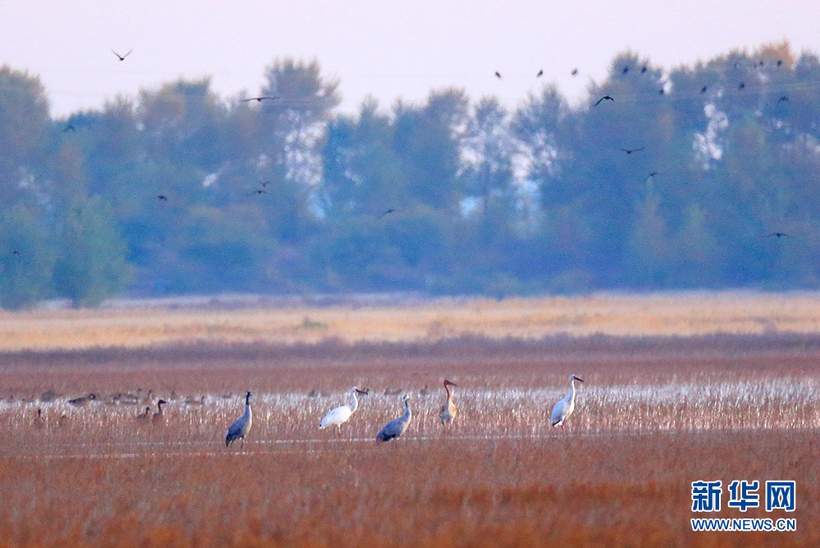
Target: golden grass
{"points": [[688, 314]]}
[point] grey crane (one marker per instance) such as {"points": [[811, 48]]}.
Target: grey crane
{"points": [[396, 427], [241, 426]]}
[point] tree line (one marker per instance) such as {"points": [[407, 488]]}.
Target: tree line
{"points": [[698, 176]]}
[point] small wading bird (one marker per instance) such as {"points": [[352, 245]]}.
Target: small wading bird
{"points": [[241, 426], [448, 410], [604, 98], [122, 57], [564, 408], [340, 415], [396, 427]]}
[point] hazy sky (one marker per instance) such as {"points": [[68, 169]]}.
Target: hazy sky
{"points": [[388, 49]]}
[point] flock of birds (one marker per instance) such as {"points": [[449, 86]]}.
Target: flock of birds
{"points": [[394, 429]]}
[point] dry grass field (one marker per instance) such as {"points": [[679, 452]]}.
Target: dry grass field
{"points": [[741, 400]]}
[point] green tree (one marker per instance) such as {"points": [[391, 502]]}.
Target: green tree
{"points": [[26, 259], [24, 127], [91, 265]]}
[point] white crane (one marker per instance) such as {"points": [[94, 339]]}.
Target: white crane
{"points": [[338, 416], [448, 410], [241, 426], [564, 408], [396, 427]]}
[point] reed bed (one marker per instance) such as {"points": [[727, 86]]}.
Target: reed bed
{"points": [[680, 314]]}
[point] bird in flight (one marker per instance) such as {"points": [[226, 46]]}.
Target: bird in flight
{"points": [[68, 128], [387, 212], [604, 98], [652, 174], [260, 99], [258, 191], [703, 89], [741, 85], [162, 197], [540, 73], [122, 57], [777, 234], [15, 252], [498, 75], [574, 72], [783, 99], [626, 70], [631, 150]]}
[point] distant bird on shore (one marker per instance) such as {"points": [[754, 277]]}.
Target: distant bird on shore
{"points": [[448, 410], [158, 417], [82, 400], [339, 415], [39, 422], [604, 98], [564, 408], [145, 414], [122, 57], [396, 427], [242, 425], [777, 235], [631, 150]]}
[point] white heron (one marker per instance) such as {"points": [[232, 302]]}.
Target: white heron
{"points": [[241, 426], [448, 410], [564, 408], [396, 427], [339, 415]]}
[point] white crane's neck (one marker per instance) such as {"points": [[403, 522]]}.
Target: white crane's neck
{"points": [[407, 412], [354, 401], [447, 389]]}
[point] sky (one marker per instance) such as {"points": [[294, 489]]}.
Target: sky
{"points": [[386, 49]]}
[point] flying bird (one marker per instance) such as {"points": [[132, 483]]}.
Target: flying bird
{"points": [[540, 74], [644, 69], [15, 252], [631, 150], [703, 89], [260, 99], [396, 427], [777, 235], [162, 197], [604, 98], [340, 415], [258, 191], [69, 127], [448, 410], [241, 426], [122, 57], [741, 85], [782, 99], [387, 212], [626, 70], [574, 72], [564, 408], [498, 75]]}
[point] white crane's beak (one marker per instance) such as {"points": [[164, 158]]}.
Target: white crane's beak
{"points": [[577, 379]]}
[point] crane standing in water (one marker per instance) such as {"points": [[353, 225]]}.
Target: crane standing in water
{"points": [[564, 408], [340, 415], [448, 410], [241, 426], [396, 427]]}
